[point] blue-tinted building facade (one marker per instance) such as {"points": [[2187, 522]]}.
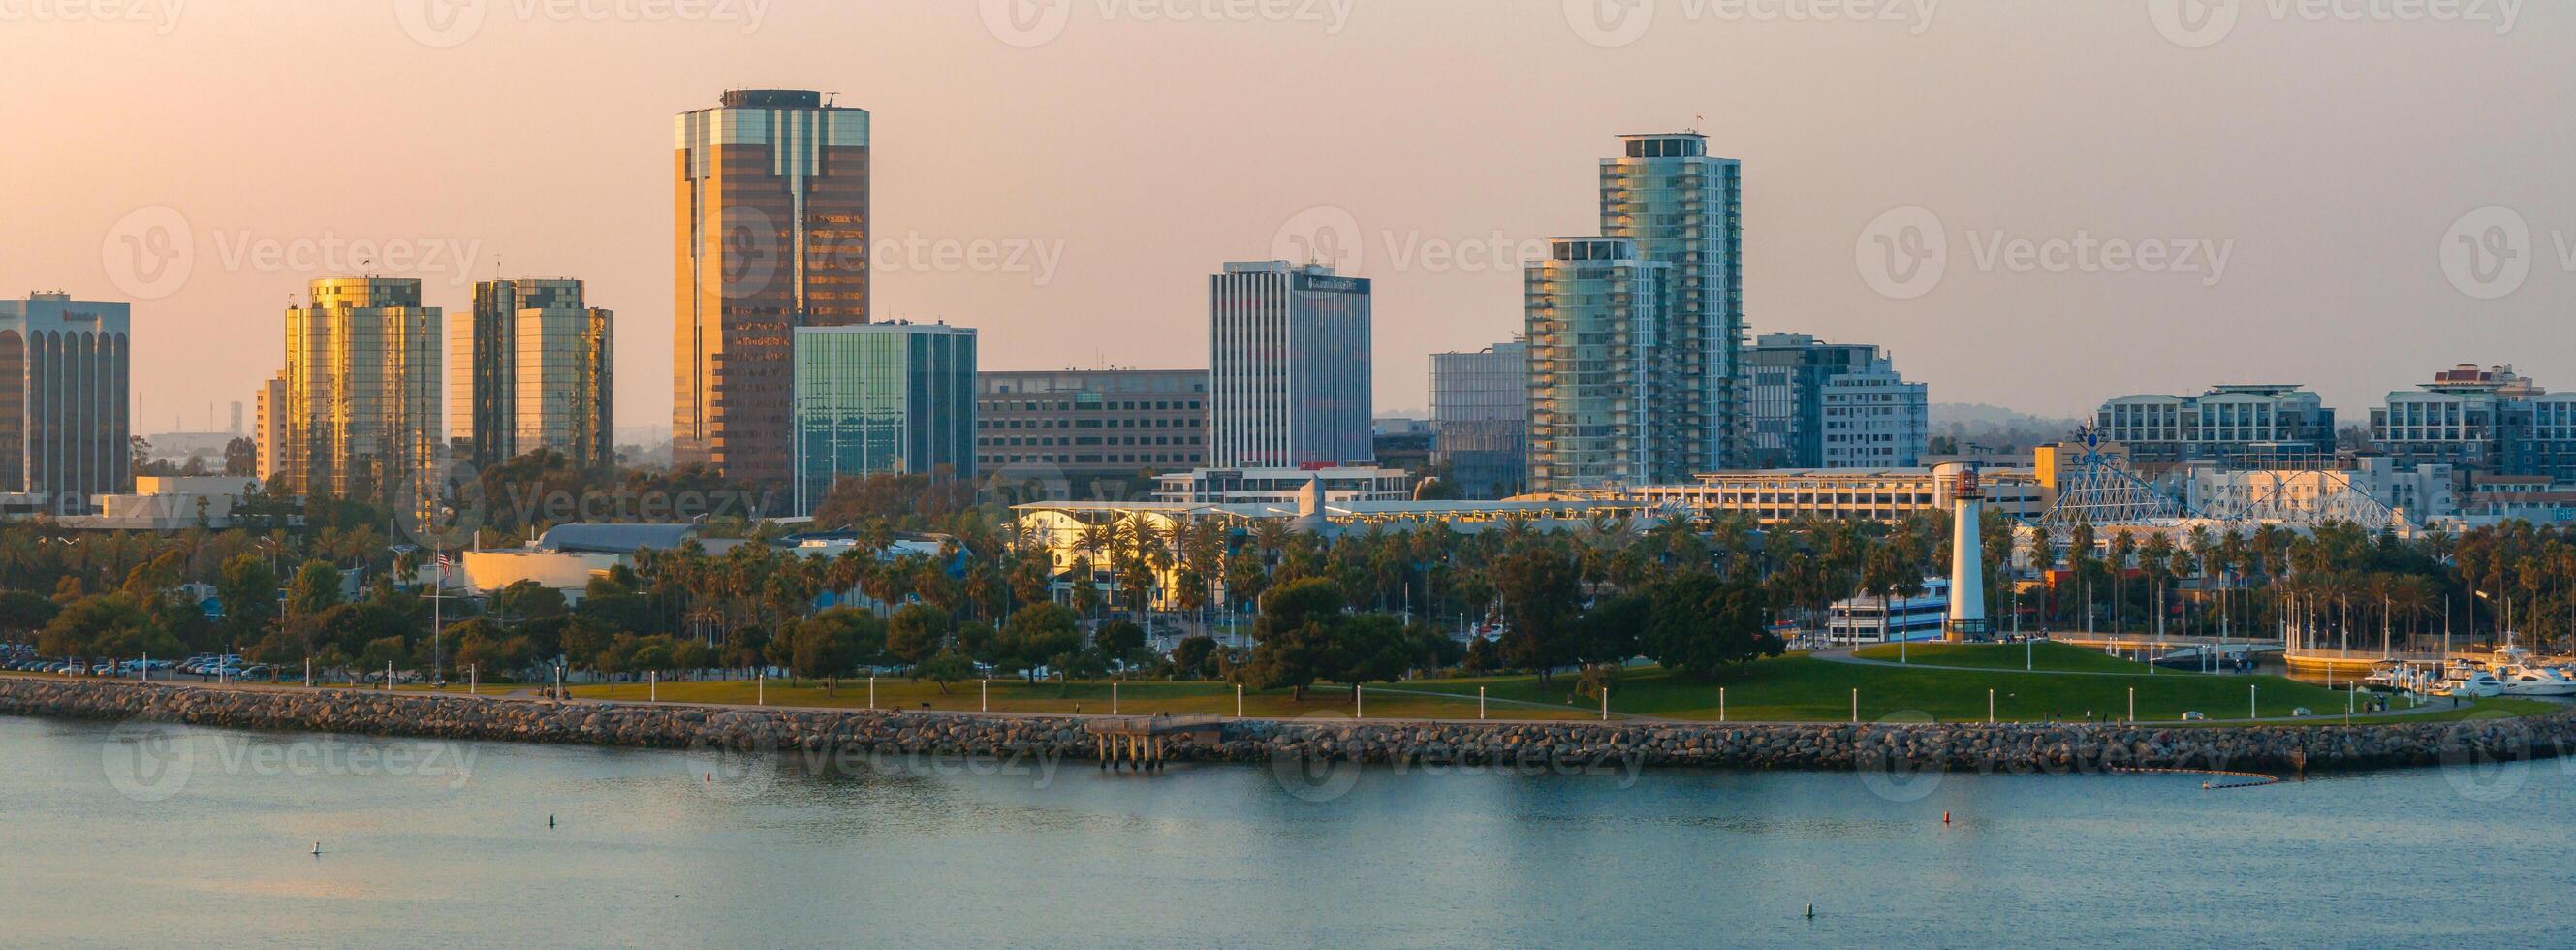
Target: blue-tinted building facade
{"points": [[881, 398]]}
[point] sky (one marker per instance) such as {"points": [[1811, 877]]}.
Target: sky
{"points": [[2035, 204]]}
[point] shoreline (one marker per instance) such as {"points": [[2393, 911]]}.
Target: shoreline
{"points": [[2056, 748]]}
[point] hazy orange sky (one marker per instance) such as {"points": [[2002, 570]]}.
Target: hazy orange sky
{"points": [[2369, 171]]}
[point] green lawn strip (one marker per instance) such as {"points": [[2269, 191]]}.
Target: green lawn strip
{"points": [[1802, 689], [2048, 657], [1134, 697]]}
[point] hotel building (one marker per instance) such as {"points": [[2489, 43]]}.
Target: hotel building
{"points": [[65, 414]]}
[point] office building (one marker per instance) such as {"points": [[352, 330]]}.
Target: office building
{"points": [[65, 409], [1480, 419], [1072, 432], [531, 370], [2480, 422], [1809, 404], [1606, 407], [269, 433], [1403, 444], [882, 398], [2248, 425], [362, 390], [771, 209], [1289, 382], [1684, 208]]}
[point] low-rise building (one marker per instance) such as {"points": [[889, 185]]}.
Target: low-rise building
{"points": [[2418, 493], [167, 504], [1277, 486], [1071, 432], [1895, 494], [1859, 621]]}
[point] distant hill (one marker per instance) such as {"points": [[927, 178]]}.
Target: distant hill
{"points": [[1996, 426]]}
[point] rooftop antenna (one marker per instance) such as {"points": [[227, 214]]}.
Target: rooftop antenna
{"points": [[1697, 120]]}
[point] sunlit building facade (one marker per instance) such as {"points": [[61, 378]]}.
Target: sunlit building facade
{"points": [[530, 345], [882, 398], [772, 214], [362, 390], [65, 410]]}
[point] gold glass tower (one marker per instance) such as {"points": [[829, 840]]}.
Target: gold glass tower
{"points": [[362, 380], [771, 213]]}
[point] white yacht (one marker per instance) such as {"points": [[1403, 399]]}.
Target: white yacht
{"points": [[2534, 681], [2471, 685]]}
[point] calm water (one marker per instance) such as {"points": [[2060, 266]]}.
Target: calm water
{"points": [[200, 837]]}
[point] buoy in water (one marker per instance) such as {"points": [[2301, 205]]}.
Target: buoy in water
{"points": [[1811, 912], [550, 821], [317, 849], [1945, 817]]}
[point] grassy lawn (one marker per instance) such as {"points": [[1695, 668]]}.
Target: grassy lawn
{"points": [[1135, 697], [1788, 689], [1799, 688], [2056, 657]]}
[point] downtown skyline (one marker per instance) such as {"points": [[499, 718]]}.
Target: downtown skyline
{"points": [[1021, 207]]}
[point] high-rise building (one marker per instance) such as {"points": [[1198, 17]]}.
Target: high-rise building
{"points": [[269, 434], [885, 397], [362, 388], [531, 370], [565, 385], [1480, 405], [1072, 431], [1809, 404], [2251, 425], [65, 414], [1684, 207], [1288, 382], [1607, 408], [772, 217], [237, 418]]}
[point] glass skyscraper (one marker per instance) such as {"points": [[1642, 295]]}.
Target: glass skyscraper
{"points": [[1480, 418], [1288, 379], [885, 397], [1684, 207], [530, 370], [772, 215], [362, 381], [1608, 406]]}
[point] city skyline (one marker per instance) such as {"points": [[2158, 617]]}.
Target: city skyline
{"points": [[2351, 297]]}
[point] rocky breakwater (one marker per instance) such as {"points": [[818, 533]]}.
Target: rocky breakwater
{"points": [[1561, 747]]}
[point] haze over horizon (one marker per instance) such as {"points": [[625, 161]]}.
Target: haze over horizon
{"points": [[1063, 176]]}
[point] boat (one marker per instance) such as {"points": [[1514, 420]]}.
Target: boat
{"points": [[2471, 686], [2534, 681]]}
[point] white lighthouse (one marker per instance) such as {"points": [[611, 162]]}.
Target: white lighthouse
{"points": [[1967, 619]]}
